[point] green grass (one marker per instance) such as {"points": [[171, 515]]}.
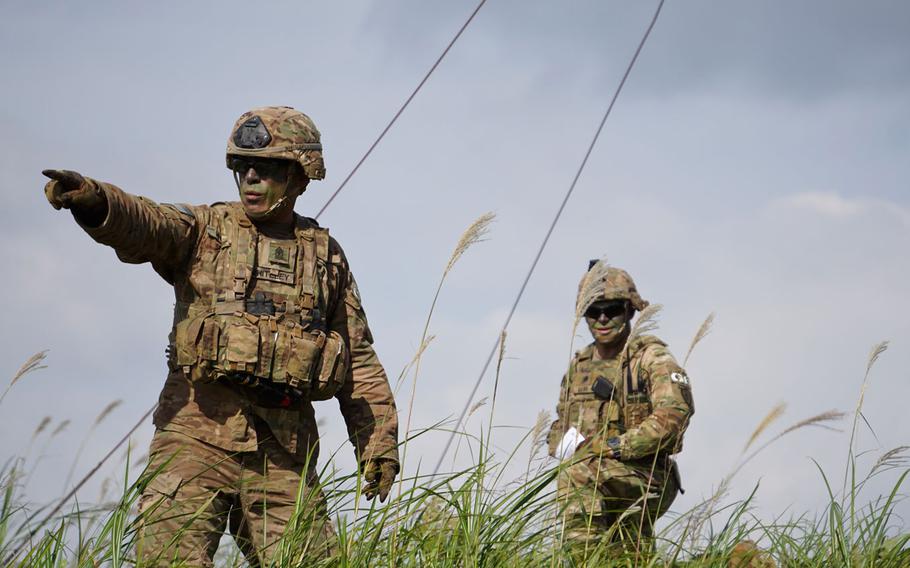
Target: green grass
{"points": [[477, 517], [474, 517]]}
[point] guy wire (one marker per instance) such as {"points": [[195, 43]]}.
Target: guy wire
{"points": [[324, 207], [546, 239], [401, 110]]}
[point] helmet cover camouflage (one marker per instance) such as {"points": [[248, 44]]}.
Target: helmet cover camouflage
{"points": [[603, 282], [278, 132]]}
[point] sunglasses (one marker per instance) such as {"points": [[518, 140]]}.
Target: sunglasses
{"points": [[609, 310], [264, 166]]}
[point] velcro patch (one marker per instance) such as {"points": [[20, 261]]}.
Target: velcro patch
{"points": [[680, 378], [275, 275]]}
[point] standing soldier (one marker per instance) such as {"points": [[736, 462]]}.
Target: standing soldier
{"points": [[267, 319], [630, 402]]}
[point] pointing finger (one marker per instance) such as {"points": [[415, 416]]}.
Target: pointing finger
{"points": [[69, 178]]}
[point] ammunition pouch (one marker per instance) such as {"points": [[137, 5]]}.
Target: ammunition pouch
{"points": [[296, 357], [595, 416]]}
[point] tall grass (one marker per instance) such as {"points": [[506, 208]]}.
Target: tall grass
{"points": [[477, 517]]}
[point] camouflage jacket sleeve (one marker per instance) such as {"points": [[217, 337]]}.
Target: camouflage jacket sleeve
{"points": [[140, 230], [671, 406], [558, 427], [365, 399]]}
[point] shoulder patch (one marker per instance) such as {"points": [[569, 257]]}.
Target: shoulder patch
{"points": [[680, 377]]}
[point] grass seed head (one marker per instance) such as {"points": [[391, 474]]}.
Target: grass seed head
{"points": [[769, 419], [60, 428], [472, 235]]}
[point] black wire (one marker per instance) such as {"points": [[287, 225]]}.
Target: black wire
{"points": [[543, 245], [401, 110], [324, 207]]}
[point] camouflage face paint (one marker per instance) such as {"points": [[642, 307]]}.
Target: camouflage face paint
{"points": [[607, 321], [262, 184]]}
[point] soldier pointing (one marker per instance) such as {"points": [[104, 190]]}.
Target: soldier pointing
{"points": [[267, 319], [628, 403]]}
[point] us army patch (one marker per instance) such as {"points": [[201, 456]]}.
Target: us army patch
{"points": [[281, 254], [680, 378]]}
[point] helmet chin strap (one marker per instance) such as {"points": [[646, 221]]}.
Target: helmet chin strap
{"points": [[268, 212], [271, 210]]}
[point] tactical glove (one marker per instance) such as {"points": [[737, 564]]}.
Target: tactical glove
{"points": [[379, 475], [69, 189], [608, 448]]}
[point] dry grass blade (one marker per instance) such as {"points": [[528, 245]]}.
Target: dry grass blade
{"points": [[106, 411], [646, 322], [539, 431], [423, 347], [702, 332], [875, 354], [477, 405], [817, 420], [770, 418], [45, 422], [590, 287], [60, 428], [895, 457], [472, 235], [32, 364]]}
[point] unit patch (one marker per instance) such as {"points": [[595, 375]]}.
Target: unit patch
{"points": [[277, 261], [680, 378], [280, 254]]}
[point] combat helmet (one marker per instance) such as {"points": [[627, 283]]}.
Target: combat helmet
{"points": [[604, 282], [278, 132]]}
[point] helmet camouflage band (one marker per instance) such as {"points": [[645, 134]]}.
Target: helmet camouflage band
{"points": [[278, 132], [604, 282]]}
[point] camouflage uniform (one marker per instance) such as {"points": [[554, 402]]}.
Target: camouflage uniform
{"points": [[263, 324], [607, 496]]}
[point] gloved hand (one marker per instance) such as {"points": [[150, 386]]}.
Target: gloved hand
{"points": [[597, 445], [379, 475], [68, 189]]}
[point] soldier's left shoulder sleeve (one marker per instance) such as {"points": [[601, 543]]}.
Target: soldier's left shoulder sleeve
{"points": [[668, 383], [349, 300]]}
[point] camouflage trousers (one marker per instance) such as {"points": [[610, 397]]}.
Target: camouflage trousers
{"points": [[198, 490], [606, 501]]}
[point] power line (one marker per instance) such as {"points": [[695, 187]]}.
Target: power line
{"points": [[546, 239], [401, 110], [324, 207]]}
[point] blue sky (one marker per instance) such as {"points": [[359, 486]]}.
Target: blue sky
{"points": [[756, 165]]}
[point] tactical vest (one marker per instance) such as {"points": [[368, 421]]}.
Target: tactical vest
{"points": [[281, 342], [630, 404]]}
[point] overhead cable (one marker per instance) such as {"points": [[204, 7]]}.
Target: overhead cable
{"points": [[401, 109], [546, 238]]}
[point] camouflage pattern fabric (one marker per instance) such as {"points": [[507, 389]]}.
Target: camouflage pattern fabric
{"points": [[242, 453], [595, 490], [603, 499], [197, 490], [179, 245], [278, 132]]}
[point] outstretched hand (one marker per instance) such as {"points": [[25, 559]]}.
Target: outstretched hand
{"points": [[68, 189], [379, 475]]}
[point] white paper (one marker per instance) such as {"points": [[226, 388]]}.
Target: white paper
{"points": [[569, 443]]}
